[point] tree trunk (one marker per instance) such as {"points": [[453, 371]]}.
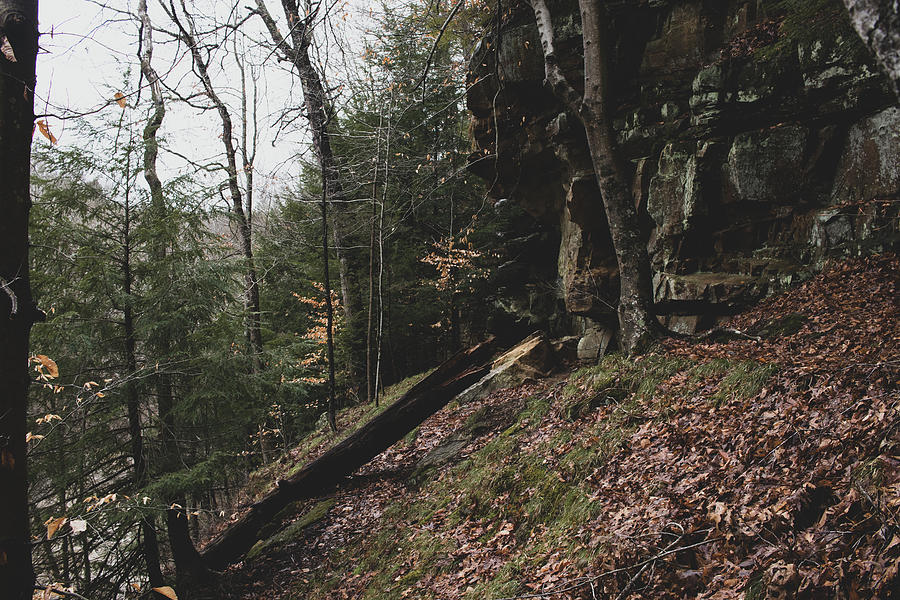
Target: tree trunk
{"points": [[370, 375], [321, 475], [318, 115], [19, 39], [878, 24], [245, 232], [329, 315], [637, 324], [149, 541]]}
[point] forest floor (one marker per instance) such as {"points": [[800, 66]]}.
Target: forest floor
{"points": [[761, 467]]}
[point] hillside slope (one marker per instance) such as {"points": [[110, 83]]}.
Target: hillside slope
{"points": [[762, 467]]}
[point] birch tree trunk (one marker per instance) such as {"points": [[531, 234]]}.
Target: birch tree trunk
{"points": [[637, 324], [878, 24], [149, 541], [19, 40]]}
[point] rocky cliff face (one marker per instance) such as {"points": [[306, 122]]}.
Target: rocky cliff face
{"points": [[761, 136]]}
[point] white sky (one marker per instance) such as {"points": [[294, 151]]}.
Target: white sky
{"points": [[88, 51]]}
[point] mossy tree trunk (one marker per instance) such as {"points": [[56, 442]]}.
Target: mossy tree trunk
{"points": [[637, 323]]}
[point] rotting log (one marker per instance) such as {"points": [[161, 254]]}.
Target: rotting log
{"points": [[323, 474]]}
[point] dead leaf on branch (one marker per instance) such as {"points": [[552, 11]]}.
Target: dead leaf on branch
{"points": [[53, 525], [45, 131], [166, 591], [47, 362], [7, 50]]}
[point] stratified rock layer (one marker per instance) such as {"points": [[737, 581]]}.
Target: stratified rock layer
{"points": [[762, 140]]}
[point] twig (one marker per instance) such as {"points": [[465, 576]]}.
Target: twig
{"points": [[591, 580], [437, 40], [635, 577], [59, 592], [724, 330], [631, 583], [12, 296]]}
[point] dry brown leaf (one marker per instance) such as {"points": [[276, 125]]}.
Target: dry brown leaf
{"points": [[49, 363], [166, 591], [45, 131], [7, 50], [120, 99], [53, 525]]}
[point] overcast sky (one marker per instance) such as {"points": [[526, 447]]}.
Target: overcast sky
{"points": [[89, 51]]}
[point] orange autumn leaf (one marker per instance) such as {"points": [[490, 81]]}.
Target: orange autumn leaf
{"points": [[53, 525], [45, 131], [47, 362]]}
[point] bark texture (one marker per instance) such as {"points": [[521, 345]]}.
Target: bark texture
{"points": [[878, 24], [19, 38], [321, 475], [637, 323], [149, 541]]}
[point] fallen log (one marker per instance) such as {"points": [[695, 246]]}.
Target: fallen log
{"points": [[323, 474]]}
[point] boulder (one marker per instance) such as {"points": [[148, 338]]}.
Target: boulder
{"points": [[593, 344]]}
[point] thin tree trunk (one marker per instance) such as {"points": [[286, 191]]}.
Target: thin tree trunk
{"points": [[19, 37], [370, 376], [318, 115], [251, 286], [637, 324], [189, 569], [878, 24], [149, 541], [384, 193], [329, 315]]}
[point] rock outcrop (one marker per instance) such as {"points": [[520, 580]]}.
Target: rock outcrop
{"points": [[762, 137]]}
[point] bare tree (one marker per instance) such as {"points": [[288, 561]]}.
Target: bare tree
{"points": [[149, 541], [296, 50], [242, 211], [18, 54], [878, 24], [637, 323]]}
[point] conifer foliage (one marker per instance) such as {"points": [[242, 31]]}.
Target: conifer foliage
{"points": [[180, 352]]}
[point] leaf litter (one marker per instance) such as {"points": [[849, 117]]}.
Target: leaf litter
{"points": [[752, 468]]}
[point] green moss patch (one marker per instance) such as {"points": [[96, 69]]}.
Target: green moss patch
{"points": [[292, 531]]}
